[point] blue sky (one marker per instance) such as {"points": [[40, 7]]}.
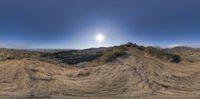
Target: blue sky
{"points": [[74, 23]]}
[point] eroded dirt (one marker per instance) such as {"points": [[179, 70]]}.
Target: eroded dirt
{"points": [[129, 76]]}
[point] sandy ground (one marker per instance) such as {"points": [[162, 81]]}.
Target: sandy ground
{"points": [[124, 97], [129, 77]]}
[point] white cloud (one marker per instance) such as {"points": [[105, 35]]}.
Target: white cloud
{"points": [[174, 45]]}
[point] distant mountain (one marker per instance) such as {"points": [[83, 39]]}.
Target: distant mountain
{"points": [[48, 50]]}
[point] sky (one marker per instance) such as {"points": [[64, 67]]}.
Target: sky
{"points": [[73, 24]]}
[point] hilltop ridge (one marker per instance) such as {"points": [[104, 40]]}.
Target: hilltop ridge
{"points": [[125, 70]]}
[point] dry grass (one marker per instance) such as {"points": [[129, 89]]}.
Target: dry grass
{"points": [[109, 56]]}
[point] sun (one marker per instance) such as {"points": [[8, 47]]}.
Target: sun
{"points": [[100, 37]]}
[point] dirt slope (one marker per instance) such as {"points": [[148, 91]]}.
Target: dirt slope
{"points": [[129, 75]]}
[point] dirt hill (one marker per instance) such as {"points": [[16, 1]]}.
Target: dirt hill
{"points": [[119, 71]]}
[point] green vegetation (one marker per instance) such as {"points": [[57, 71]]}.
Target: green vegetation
{"points": [[163, 54], [157, 52], [134, 45], [93, 56], [73, 56], [109, 55], [113, 53]]}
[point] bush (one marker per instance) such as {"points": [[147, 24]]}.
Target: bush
{"points": [[174, 58], [9, 57], [109, 55], [141, 48], [129, 44], [162, 54]]}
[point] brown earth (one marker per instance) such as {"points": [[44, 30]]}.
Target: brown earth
{"points": [[133, 75]]}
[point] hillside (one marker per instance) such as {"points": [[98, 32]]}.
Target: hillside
{"points": [[190, 54], [119, 71]]}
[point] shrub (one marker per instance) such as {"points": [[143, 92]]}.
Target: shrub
{"points": [[175, 58], [162, 54], [141, 48], [9, 57], [129, 44], [109, 55]]}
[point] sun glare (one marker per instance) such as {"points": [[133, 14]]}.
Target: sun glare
{"points": [[100, 37]]}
